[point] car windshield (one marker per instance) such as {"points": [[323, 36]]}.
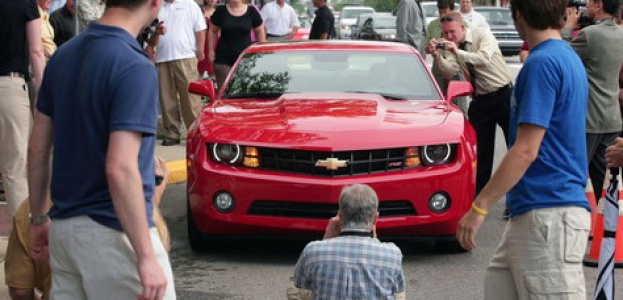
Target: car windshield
{"points": [[385, 23], [497, 16], [271, 74], [354, 13]]}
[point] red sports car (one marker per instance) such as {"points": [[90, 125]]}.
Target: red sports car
{"points": [[296, 122]]}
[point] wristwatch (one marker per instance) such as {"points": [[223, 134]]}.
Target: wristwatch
{"points": [[38, 220]]}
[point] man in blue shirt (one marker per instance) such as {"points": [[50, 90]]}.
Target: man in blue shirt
{"points": [[350, 263], [544, 172], [98, 108]]}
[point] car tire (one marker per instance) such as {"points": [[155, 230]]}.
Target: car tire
{"points": [[196, 238], [449, 246]]}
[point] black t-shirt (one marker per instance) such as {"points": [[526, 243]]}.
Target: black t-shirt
{"points": [[14, 14], [323, 23], [64, 25], [235, 33]]}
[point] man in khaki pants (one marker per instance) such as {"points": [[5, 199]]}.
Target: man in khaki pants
{"points": [[177, 53], [20, 37], [544, 172]]}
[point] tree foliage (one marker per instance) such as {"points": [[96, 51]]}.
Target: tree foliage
{"points": [[381, 5]]}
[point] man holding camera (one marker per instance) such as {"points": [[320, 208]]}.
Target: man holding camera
{"points": [[600, 48], [475, 53]]}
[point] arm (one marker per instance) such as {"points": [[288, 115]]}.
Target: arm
{"points": [[572, 16], [514, 165], [125, 185], [296, 24], [487, 46], [212, 37], [448, 65], [35, 52], [580, 45], [39, 149], [200, 37], [260, 33]]}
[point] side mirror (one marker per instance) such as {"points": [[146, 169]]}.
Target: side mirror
{"points": [[458, 89], [203, 88]]}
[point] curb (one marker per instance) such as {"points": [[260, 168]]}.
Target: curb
{"points": [[177, 171]]}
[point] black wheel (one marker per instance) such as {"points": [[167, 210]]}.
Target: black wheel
{"points": [[449, 246], [196, 238]]}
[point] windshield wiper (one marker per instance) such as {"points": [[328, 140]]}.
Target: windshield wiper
{"points": [[384, 95], [262, 94]]}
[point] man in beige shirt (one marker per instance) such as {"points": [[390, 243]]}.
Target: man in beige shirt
{"points": [[47, 31], [476, 54]]}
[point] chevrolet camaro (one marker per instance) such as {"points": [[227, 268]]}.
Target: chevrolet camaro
{"points": [[296, 122]]}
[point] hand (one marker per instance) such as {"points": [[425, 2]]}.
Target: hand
{"points": [[450, 46], [614, 154], [468, 228], [200, 53], [334, 228], [572, 15], [431, 47], [161, 29], [38, 236], [153, 280], [211, 55]]}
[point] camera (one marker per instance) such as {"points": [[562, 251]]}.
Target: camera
{"points": [[440, 46], [580, 5]]}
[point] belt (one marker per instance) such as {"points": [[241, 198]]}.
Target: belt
{"points": [[275, 35], [496, 93], [12, 74]]}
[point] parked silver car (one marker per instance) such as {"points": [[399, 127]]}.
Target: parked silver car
{"points": [[502, 26]]}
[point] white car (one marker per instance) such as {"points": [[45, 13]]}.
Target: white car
{"points": [[348, 17], [430, 10]]}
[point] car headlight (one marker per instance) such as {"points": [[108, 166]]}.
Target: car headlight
{"points": [[389, 36], [233, 154], [345, 27], [436, 154]]}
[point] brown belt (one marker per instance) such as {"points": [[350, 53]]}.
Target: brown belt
{"points": [[12, 74]]}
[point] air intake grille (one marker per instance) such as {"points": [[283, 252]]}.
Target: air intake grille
{"points": [[293, 209]]}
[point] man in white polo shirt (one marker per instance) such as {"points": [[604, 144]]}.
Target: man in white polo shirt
{"points": [[177, 53], [280, 21]]}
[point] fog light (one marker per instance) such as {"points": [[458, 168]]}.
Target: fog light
{"points": [[439, 202], [223, 202]]}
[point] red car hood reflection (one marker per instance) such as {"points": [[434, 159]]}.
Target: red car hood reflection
{"points": [[308, 118]]}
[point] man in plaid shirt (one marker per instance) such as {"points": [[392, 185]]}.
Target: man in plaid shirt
{"points": [[350, 263]]}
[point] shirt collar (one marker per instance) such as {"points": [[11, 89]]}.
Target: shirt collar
{"points": [[468, 36], [607, 21]]}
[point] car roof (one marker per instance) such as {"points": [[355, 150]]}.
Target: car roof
{"points": [[347, 45]]}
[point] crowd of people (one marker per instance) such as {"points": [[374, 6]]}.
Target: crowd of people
{"points": [[109, 205]]}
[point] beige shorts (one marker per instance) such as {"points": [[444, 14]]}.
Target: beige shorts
{"points": [[20, 270], [540, 256]]}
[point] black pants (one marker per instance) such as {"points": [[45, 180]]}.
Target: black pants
{"points": [[485, 112], [596, 144]]}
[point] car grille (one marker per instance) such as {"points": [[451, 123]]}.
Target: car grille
{"points": [[358, 162], [506, 35], [293, 209]]}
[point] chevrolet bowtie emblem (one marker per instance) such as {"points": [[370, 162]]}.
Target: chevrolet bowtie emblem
{"points": [[331, 163]]}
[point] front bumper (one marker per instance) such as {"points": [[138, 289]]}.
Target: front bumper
{"points": [[252, 188]]}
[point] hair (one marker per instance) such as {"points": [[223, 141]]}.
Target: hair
{"points": [[127, 4], [611, 7], [443, 4], [540, 14], [452, 16], [358, 207]]}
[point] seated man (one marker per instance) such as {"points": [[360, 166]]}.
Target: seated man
{"points": [[31, 279], [350, 263]]}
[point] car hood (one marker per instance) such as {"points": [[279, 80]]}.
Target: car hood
{"points": [[327, 120]]}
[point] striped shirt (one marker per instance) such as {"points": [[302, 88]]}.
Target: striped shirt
{"points": [[350, 267]]}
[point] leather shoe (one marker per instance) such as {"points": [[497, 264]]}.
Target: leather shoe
{"points": [[170, 141]]}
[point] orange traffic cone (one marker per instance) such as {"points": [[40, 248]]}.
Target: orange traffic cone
{"points": [[590, 195], [592, 258]]}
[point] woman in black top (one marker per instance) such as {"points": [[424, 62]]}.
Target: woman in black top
{"points": [[234, 21]]}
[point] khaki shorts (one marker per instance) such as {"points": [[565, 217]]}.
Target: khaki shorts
{"points": [[20, 270], [540, 256]]}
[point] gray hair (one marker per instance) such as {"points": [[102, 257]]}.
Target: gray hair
{"points": [[358, 207]]}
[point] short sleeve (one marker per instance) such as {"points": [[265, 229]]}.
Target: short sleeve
{"points": [[218, 15], [256, 17], [539, 93], [31, 12], [134, 100], [200, 22]]}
